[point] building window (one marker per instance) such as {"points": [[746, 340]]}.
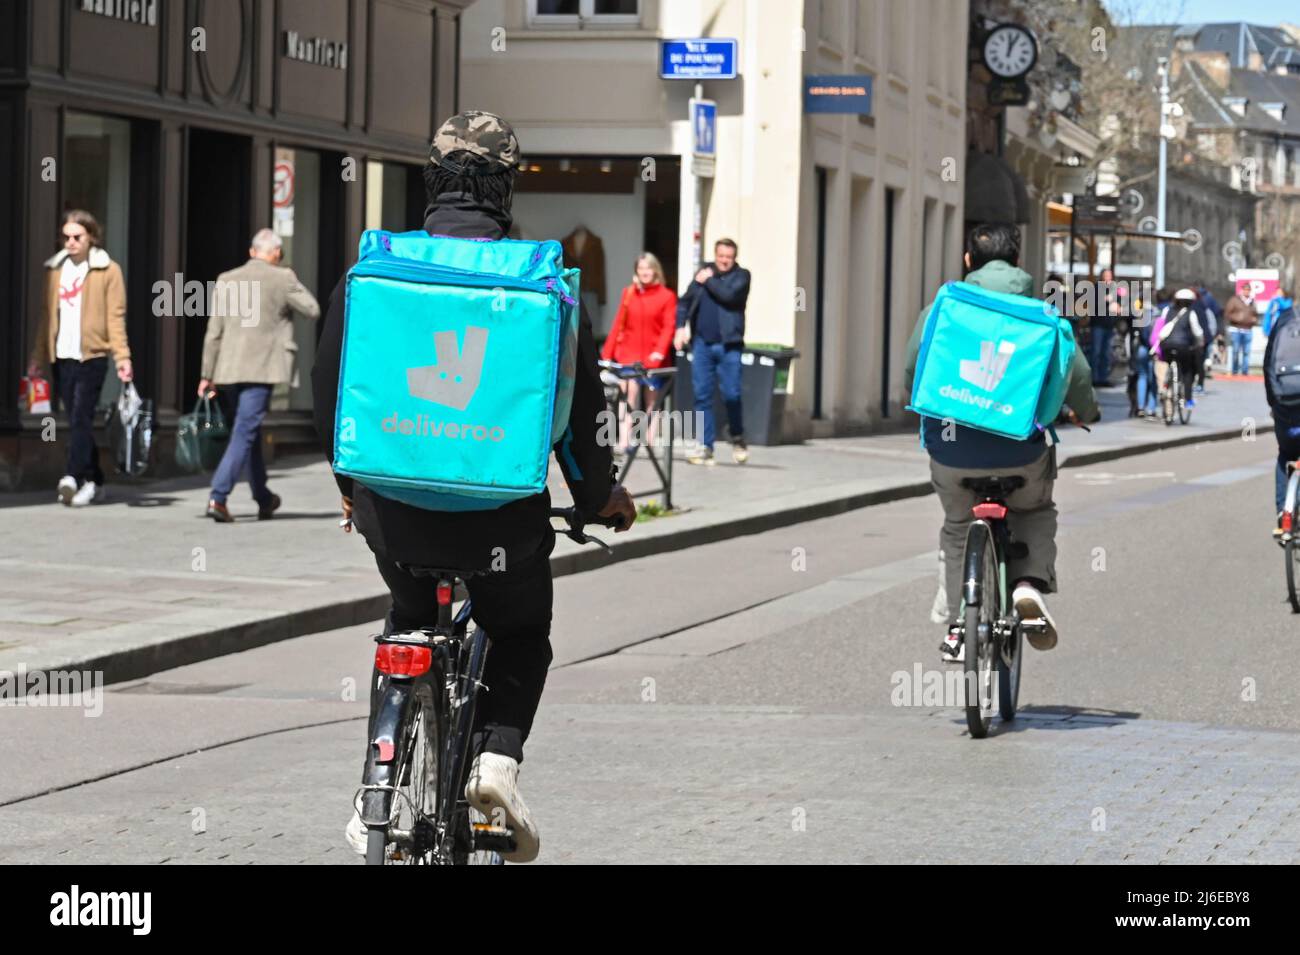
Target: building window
{"points": [[574, 12], [97, 175], [295, 216]]}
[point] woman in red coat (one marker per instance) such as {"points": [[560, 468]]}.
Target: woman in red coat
{"points": [[643, 332]]}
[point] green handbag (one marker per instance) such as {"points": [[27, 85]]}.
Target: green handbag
{"points": [[201, 437]]}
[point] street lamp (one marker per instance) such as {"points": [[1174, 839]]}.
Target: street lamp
{"points": [[1162, 68]]}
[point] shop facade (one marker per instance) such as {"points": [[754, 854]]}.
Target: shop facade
{"points": [[186, 126]]}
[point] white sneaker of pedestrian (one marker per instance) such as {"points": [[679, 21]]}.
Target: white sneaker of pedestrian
{"points": [[88, 493], [494, 784], [356, 833], [1029, 603], [67, 488]]}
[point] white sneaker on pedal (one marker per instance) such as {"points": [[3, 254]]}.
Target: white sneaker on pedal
{"points": [[494, 784], [67, 488], [356, 833], [1041, 629], [953, 650]]}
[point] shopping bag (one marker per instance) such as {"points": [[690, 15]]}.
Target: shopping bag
{"points": [[34, 395], [130, 431]]}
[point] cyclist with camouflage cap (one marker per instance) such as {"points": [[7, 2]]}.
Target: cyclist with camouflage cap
{"points": [[469, 182]]}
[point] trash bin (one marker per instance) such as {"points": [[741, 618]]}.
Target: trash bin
{"points": [[764, 384]]}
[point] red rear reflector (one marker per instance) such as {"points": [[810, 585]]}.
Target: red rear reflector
{"points": [[444, 594], [398, 659], [1286, 521], [989, 511], [386, 750]]}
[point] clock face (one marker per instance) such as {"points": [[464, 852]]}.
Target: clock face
{"points": [[1010, 51]]}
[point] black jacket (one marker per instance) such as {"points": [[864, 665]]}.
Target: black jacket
{"points": [[467, 539], [730, 290]]}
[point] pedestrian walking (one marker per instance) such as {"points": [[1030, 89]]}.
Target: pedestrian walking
{"points": [[1242, 320], [1103, 329], [83, 325], [248, 355], [711, 318]]}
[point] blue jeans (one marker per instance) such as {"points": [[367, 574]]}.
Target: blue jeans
{"points": [[1100, 354], [249, 403], [1241, 338], [714, 363], [1146, 392]]}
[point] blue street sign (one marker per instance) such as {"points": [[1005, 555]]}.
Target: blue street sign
{"points": [[697, 59], [837, 94], [704, 127]]}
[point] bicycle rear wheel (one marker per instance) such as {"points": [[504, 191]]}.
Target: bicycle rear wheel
{"points": [[1184, 395], [416, 801], [1292, 549], [981, 567]]}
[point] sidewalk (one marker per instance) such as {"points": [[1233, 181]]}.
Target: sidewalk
{"points": [[145, 582]]}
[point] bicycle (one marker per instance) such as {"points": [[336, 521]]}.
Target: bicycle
{"points": [[1174, 395], [412, 796], [991, 629], [1288, 539]]}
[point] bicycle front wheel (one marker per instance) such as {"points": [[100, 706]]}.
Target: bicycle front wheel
{"points": [[1010, 655], [982, 613]]}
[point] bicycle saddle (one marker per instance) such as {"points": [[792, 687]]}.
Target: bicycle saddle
{"points": [[994, 487]]}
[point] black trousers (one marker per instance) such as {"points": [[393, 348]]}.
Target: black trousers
{"points": [[514, 606], [79, 386]]}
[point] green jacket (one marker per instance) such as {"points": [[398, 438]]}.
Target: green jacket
{"points": [[975, 448]]}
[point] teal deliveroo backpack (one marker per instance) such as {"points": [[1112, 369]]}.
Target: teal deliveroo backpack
{"points": [[457, 369], [993, 361]]}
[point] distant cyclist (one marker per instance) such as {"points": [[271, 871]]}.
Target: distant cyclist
{"points": [[469, 182], [1282, 389], [957, 452], [1178, 337]]}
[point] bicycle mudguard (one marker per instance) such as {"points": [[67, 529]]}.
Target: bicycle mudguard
{"points": [[978, 537], [382, 758]]}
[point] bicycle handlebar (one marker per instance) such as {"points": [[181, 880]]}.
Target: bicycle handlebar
{"points": [[577, 522]]}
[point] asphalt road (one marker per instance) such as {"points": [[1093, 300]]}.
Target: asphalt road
{"points": [[741, 702]]}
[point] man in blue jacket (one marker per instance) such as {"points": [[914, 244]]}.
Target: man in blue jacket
{"points": [[711, 313]]}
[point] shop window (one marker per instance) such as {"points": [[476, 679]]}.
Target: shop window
{"points": [[394, 196], [97, 177], [296, 192], [573, 12]]}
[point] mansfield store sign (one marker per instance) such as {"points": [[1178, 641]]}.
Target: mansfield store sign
{"points": [[315, 50], [132, 11]]}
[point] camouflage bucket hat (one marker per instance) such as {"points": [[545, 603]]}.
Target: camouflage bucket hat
{"points": [[478, 133]]}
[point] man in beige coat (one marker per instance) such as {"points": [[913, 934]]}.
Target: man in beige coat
{"points": [[83, 326], [248, 350]]}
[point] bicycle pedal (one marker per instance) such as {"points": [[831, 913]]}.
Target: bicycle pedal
{"points": [[490, 838], [1035, 625]]}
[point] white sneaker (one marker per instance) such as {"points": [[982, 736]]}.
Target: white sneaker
{"points": [[88, 493], [357, 833], [1041, 629], [494, 784], [953, 650], [67, 488]]}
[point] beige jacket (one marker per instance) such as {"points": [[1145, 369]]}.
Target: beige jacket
{"points": [[103, 311], [254, 344]]}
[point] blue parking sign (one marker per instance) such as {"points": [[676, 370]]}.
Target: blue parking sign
{"points": [[704, 127]]}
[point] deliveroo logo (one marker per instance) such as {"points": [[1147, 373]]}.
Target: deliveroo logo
{"points": [[986, 372], [454, 376]]}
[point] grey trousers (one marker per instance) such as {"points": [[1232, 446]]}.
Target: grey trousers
{"points": [[1031, 517]]}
